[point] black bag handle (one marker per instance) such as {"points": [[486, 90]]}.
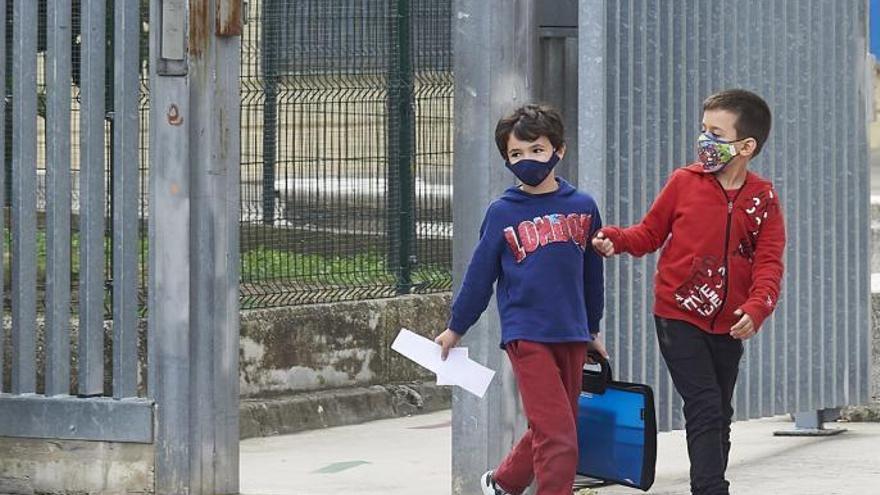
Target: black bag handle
{"points": [[596, 382]]}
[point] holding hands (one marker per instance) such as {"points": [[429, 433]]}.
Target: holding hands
{"points": [[603, 245]]}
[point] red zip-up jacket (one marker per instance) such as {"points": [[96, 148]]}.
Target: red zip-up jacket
{"points": [[723, 249]]}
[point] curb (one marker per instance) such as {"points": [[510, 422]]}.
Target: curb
{"points": [[262, 417], [868, 413]]}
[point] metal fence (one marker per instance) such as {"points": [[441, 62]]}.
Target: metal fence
{"points": [[58, 191], [353, 198], [644, 69], [346, 150], [76, 101], [42, 192], [59, 255]]}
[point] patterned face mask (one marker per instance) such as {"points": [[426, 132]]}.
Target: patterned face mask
{"points": [[714, 153]]}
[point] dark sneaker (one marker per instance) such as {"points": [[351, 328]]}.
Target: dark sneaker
{"points": [[488, 485]]}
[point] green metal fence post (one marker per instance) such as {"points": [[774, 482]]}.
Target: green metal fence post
{"points": [[269, 41], [401, 122]]}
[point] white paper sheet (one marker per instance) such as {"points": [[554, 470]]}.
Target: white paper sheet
{"points": [[458, 369], [442, 380]]}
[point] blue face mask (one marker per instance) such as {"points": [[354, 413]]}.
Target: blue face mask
{"points": [[532, 172]]}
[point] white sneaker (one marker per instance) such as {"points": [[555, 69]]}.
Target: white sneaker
{"points": [[488, 485]]}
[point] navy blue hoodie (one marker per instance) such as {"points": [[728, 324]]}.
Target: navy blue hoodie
{"points": [[550, 281]]}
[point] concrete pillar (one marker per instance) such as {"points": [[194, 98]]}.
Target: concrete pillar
{"points": [[495, 46]]}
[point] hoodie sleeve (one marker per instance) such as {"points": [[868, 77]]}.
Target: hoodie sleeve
{"points": [[768, 267], [650, 234], [483, 270], [594, 278]]}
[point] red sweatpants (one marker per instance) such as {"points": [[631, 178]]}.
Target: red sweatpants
{"points": [[549, 379]]}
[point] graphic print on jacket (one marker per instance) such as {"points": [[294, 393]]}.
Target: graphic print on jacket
{"points": [[762, 206], [703, 292], [530, 235]]}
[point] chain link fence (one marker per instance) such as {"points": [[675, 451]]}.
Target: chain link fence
{"points": [[346, 150]]}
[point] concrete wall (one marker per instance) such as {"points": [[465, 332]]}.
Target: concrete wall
{"points": [[67, 467], [306, 348], [301, 348]]}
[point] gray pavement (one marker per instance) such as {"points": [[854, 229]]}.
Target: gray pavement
{"points": [[412, 456]]}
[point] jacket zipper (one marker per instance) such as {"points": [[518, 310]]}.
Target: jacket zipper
{"points": [[730, 204]]}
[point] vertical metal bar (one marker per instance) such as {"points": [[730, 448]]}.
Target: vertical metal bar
{"points": [[789, 106], [638, 130], [225, 316], [846, 330], [612, 177], [863, 193], [858, 120], [766, 359], [214, 155], [3, 167], [58, 66], [656, 121], [270, 39], [125, 193], [592, 80], [625, 189], [682, 137], [823, 236], [91, 220], [400, 149], [169, 265], [835, 209], [24, 177]]}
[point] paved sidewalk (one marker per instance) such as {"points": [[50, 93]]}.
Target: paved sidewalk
{"points": [[412, 456], [388, 457]]}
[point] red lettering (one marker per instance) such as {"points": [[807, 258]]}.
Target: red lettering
{"points": [[519, 253], [528, 234], [576, 229], [545, 231], [587, 226], [558, 226]]}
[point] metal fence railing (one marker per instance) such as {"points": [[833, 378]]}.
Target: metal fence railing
{"points": [[71, 253], [42, 190], [346, 150]]}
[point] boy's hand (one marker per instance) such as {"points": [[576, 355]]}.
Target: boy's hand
{"points": [[744, 328], [447, 340], [603, 245], [598, 346]]}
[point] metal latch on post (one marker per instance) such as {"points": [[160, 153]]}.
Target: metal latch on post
{"points": [[172, 39]]}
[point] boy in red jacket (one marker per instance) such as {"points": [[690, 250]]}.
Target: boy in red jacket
{"points": [[718, 277]]}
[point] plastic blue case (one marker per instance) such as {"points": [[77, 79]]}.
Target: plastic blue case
{"points": [[617, 430]]}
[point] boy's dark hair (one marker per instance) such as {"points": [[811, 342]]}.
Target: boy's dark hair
{"points": [[528, 123], [753, 116]]}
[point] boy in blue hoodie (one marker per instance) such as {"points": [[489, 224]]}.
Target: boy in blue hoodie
{"points": [[535, 242]]}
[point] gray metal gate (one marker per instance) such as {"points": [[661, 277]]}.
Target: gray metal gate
{"points": [[171, 381], [643, 69], [57, 406]]}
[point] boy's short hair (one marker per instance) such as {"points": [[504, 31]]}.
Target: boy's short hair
{"points": [[753, 118], [528, 123]]}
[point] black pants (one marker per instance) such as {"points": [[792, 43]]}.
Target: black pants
{"points": [[704, 368]]}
